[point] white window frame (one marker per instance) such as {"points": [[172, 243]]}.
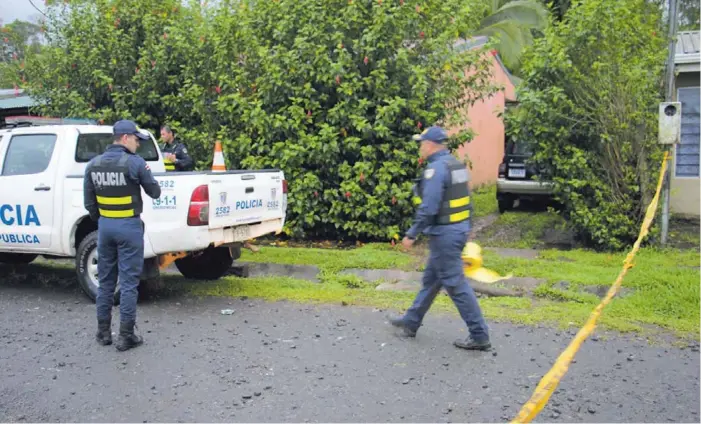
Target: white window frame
{"points": [[676, 175]]}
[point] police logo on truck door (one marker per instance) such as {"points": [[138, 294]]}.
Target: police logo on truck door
{"points": [[273, 203], [222, 210]]}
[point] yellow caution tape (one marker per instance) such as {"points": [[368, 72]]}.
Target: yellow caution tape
{"points": [[472, 258], [549, 382]]}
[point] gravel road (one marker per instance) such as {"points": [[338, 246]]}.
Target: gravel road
{"points": [[289, 362]]}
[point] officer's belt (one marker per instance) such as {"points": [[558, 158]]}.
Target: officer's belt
{"points": [[115, 201]]}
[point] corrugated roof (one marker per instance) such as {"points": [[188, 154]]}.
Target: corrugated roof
{"points": [[10, 92], [686, 51], [687, 43], [11, 99]]}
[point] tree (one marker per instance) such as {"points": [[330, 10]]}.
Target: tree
{"points": [[329, 93], [17, 40], [588, 108], [689, 18], [512, 23]]}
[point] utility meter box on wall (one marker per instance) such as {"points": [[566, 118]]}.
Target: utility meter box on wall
{"points": [[670, 122]]}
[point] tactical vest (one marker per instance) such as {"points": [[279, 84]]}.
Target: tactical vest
{"points": [[456, 206], [170, 166], [117, 196]]}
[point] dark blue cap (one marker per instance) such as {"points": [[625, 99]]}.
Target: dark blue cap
{"points": [[435, 134], [128, 127]]}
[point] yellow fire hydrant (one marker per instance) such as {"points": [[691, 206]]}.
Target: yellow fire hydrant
{"points": [[472, 260]]}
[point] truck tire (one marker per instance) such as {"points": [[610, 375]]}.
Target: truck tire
{"points": [[17, 258], [211, 264], [86, 267]]}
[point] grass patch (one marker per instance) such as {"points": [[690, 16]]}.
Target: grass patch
{"points": [[517, 229], [369, 256], [484, 200], [665, 285]]}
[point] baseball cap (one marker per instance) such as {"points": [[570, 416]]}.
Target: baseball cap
{"points": [[435, 134], [128, 127]]}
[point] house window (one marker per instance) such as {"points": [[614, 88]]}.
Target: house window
{"points": [[687, 163]]}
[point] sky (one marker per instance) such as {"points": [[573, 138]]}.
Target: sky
{"points": [[19, 9]]}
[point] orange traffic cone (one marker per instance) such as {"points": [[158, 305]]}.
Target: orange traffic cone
{"points": [[218, 164]]}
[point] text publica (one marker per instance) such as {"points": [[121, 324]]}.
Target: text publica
{"points": [[19, 238]]}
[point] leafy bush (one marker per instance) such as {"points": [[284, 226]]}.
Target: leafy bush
{"points": [[330, 92], [588, 109]]}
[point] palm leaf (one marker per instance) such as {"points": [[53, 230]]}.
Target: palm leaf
{"points": [[510, 39], [529, 13]]}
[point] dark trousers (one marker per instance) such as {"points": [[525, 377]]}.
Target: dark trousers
{"points": [[445, 269], [120, 250]]}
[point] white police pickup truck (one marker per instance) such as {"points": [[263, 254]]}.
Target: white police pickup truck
{"points": [[199, 221]]}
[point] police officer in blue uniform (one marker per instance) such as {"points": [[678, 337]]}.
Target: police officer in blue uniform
{"points": [[443, 215], [112, 196], [175, 152]]}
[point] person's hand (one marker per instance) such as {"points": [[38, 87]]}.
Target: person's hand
{"points": [[407, 243]]}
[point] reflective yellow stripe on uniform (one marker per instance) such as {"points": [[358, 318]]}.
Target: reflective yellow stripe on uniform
{"points": [[114, 200], [116, 214], [460, 216], [170, 166], [463, 201]]}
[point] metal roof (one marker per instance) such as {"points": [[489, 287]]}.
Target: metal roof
{"points": [[13, 99], [687, 48], [687, 42]]}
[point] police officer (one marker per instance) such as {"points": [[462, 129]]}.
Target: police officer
{"points": [[112, 196], [176, 157], [443, 215]]}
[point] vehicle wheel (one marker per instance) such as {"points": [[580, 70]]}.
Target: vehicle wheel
{"points": [[17, 258], [86, 268], [211, 264], [505, 204]]}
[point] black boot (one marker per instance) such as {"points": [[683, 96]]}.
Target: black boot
{"points": [[399, 322], [472, 344], [104, 331], [127, 339]]}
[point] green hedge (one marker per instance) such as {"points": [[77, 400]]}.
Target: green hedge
{"points": [[330, 92]]}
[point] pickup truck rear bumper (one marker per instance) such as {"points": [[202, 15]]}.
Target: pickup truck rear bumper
{"points": [[525, 187], [241, 233]]}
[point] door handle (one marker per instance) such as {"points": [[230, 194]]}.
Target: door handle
{"points": [[42, 187], [249, 189]]}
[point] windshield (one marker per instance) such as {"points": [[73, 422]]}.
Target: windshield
{"points": [[520, 149], [91, 145]]}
